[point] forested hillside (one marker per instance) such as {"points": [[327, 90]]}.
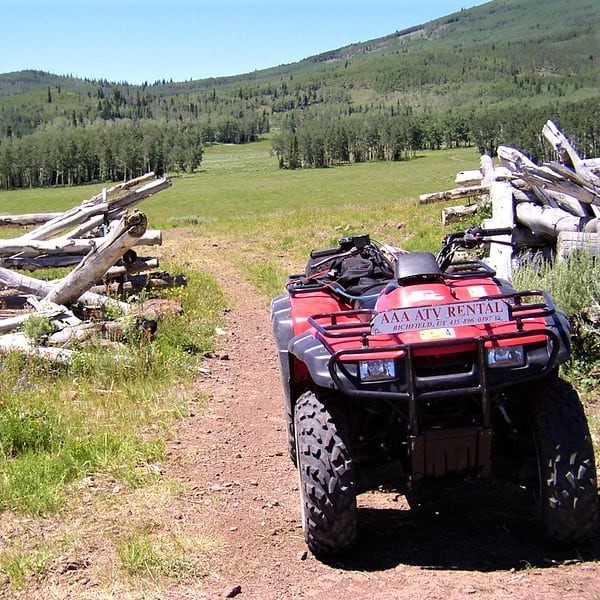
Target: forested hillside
{"points": [[483, 76]]}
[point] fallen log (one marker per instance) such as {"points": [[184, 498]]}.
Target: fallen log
{"points": [[76, 334], [453, 214], [139, 265], [569, 242], [500, 257], [132, 197], [19, 342], [551, 221], [455, 194], [40, 289], [137, 283], [32, 248], [113, 192], [545, 177], [27, 219], [470, 178], [12, 323], [96, 263], [63, 221], [40, 262], [569, 156]]}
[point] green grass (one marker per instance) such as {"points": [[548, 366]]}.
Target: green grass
{"points": [[61, 423], [280, 215], [574, 285], [152, 557]]}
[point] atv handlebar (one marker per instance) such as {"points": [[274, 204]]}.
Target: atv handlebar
{"points": [[469, 239]]}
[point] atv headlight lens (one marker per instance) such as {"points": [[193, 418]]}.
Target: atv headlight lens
{"points": [[377, 370], [507, 356]]}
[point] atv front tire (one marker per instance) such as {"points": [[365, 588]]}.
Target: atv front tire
{"points": [[566, 494], [326, 474]]}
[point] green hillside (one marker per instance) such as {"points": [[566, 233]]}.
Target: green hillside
{"points": [[467, 78]]}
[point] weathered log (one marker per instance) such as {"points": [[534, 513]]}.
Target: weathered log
{"points": [[27, 219], [56, 313], [570, 159], [63, 246], [132, 197], [593, 164], [473, 177], [566, 202], [486, 166], [500, 257], [138, 266], [578, 178], [112, 193], [40, 262], [40, 289], [548, 179], [99, 205], [19, 342], [513, 159], [66, 220], [137, 283], [568, 155], [17, 321], [454, 194], [452, 214], [32, 248], [551, 221], [96, 263], [73, 334], [569, 242]]}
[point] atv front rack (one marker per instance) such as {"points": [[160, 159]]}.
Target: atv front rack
{"points": [[420, 371], [349, 323]]}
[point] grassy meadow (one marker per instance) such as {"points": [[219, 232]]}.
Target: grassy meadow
{"points": [[277, 215]]}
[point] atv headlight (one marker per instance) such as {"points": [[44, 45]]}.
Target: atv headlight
{"points": [[377, 370], [507, 356]]}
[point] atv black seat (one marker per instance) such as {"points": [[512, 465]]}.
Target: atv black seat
{"points": [[417, 266]]}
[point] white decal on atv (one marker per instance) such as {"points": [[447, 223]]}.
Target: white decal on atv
{"points": [[399, 320], [476, 291], [424, 296]]}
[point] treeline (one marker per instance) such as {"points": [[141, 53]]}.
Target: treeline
{"points": [[323, 140], [107, 151], [226, 116], [72, 152]]}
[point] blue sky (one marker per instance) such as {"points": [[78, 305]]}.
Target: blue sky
{"points": [[148, 40]]}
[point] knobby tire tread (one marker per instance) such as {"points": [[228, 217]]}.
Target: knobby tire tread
{"points": [[568, 501], [328, 490]]}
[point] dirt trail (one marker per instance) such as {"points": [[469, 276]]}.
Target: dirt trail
{"points": [[242, 487]]}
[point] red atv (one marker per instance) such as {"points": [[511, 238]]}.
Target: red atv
{"points": [[404, 369]]}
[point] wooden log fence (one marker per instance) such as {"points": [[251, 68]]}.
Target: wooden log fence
{"points": [[96, 240], [555, 205]]}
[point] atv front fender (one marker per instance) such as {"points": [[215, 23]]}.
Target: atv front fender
{"points": [[315, 356]]}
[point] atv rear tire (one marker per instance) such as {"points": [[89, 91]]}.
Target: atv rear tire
{"points": [[326, 473], [566, 494]]}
